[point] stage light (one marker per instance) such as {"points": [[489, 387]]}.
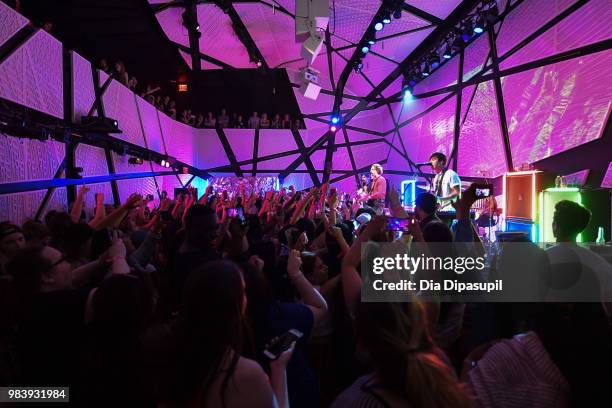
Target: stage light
{"points": [[468, 29], [386, 19], [407, 87], [163, 163], [448, 52], [135, 160], [407, 91], [365, 49], [333, 128], [309, 79], [378, 26], [425, 72], [335, 119], [434, 61], [167, 164], [397, 14], [371, 42], [479, 26], [259, 63], [198, 27]]}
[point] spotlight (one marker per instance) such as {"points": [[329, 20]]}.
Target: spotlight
{"points": [[135, 160], [365, 49], [434, 61], [425, 72], [406, 89], [371, 42], [333, 128], [163, 163], [335, 120], [448, 52], [167, 164], [378, 26], [258, 63], [386, 19], [198, 27], [479, 26], [412, 80], [468, 29], [407, 94]]}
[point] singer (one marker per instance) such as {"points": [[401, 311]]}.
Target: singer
{"points": [[378, 192], [446, 184]]}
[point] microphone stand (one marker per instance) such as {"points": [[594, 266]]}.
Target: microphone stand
{"points": [[426, 176]]}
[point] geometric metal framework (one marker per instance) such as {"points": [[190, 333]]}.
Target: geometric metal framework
{"points": [[378, 99], [338, 65]]}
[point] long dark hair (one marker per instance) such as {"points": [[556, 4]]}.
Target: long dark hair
{"points": [[260, 299], [209, 331], [404, 357]]}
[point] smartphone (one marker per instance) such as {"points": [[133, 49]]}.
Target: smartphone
{"points": [[387, 212], [281, 344], [483, 190], [240, 213], [398, 224]]}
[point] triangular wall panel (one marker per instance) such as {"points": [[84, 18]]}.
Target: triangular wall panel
{"points": [[481, 152]]}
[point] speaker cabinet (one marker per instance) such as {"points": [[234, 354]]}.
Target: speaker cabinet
{"points": [[521, 191]]}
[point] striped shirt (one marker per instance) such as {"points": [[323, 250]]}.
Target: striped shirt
{"points": [[518, 373], [359, 395]]}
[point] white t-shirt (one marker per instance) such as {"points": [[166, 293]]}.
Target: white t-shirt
{"points": [[449, 181]]}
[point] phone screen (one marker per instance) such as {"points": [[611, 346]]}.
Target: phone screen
{"points": [[387, 212], [483, 192], [398, 224], [274, 350]]}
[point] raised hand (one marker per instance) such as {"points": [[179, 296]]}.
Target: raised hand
{"points": [[83, 190], [132, 201], [294, 263], [117, 248], [377, 225]]}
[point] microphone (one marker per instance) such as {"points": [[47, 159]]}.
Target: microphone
{"points": [[423, 164]]}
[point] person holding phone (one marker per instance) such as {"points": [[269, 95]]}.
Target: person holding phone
{"points": [[203, 365]]}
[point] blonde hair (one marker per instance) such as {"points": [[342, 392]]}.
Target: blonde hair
{"points": [[378, 168]]}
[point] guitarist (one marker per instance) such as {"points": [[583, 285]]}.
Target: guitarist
{"points": [[446, 184]]}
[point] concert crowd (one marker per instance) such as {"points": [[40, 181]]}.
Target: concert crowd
{"points": [[172, 302]]}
